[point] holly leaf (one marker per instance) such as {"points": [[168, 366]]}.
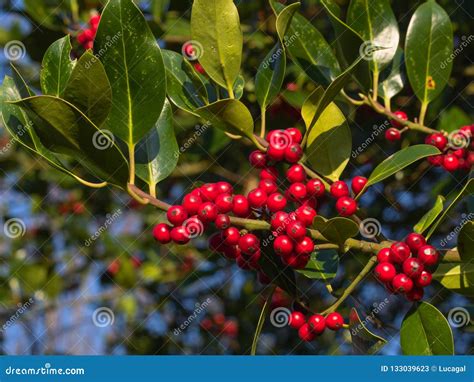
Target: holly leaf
{"points": [[392, 77], [453, 118], [322, 266], [337, 230], [430, 216], [363, 340]]}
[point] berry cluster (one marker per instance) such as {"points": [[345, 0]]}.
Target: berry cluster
{"points": [[457, 152], [403, 267], [86, 37], [315, 325], [393, 134]]}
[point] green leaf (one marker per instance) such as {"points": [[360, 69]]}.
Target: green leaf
{"points": [[135, 68], [428, 47], [21, 85], [158, 153], [89, 89], [329, 143], [430, 216], [363, 340], [377, 25], [337, 230], [392, 78], [466, 243], [458, 278], [238, 88], [62, 128], [46, 14], [308, 48], [310, 105], [399, 161], [425, 331], [158, 9], [33, 277], [57, 67], [184, 87], [215, 26], [322, 266], [452, 119]]}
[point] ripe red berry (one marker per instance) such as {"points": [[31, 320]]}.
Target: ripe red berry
{"points": [[295, 134], [232, 252], [400, 114], [207, 212], [290, 260], [383, 256], [191, 204], [257, 198], [224, 203], [436, 160], [222, 221], [392, 135], [306, 214], [297, 191], [316, 188], [358, 184], [296, 230], [231, 236], [339, 189], [428, 255], [416, 294], [161, 233], [317, 323], [216, 242], [296, 174], [460, 153], [334, 321], [249, 244], [346, 206], [438, 140], [385, 272], [224, 188], [276, 153], [304, 247], [180, 235], [241, 206], [258, 159], [269, 173], [283, 245], [297, 320], [424, 279], [305, 333], [401, 283], [293, 153], [415, 241], [176, 215], [209, 192], [276, 202], [279, 221], [268, 185], [399, 252], [450, 162], [412, 267]]}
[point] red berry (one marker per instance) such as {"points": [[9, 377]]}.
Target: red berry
{"points": [[268, 185], [346, 206], [191, 204], [180, 235], [241, 206], [249, 244], [334, 321], [424, 279], [257, 198], [222, 221], [290, 260], [306, 214], [297, 320], [176, 215], [305, 333], [358, 184], [392, 135], [209, 192], [293, 153], [297, 191], [258, 159], [436, 160], [412, 267], [94, 21], [283, 245], [339, 189], [231, 236], [275, 154], [269, 173], [207, 212], [224, 203], [383, 256], [161, 233], [296, 230], [401, 283], [416, 294], [428, 255], [400, 114], [316, 188], [224, 188], [216, 242], [399, 252], [415, 241], [450, 162], [295, 134], [296, 174], [385, 272], [305, 246], [276, 202], [438, 140], [232, 252], [317, 323]]}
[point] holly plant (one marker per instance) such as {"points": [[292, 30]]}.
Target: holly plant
{"points": [[105, 112]]}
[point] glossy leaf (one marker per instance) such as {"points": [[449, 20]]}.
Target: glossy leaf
{"points": [[23, 89], [308, 49], [458, 278], [322, 266], [158, 9], [392, 77], [158, 153], [135, 68], [363, 340], [89, 89], [238, 88], [425, 331], [428, 47], [57, 67], [430, 216], [310, 105], [452, 119], [466, 242], [215, 25], [337, 230], [329, 143]]}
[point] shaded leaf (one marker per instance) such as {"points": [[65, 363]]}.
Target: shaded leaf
{"points": [[430, 216], [392, 78], [452, 119], [458, 278], [337, 230], [363, 340], [322, 266]]}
